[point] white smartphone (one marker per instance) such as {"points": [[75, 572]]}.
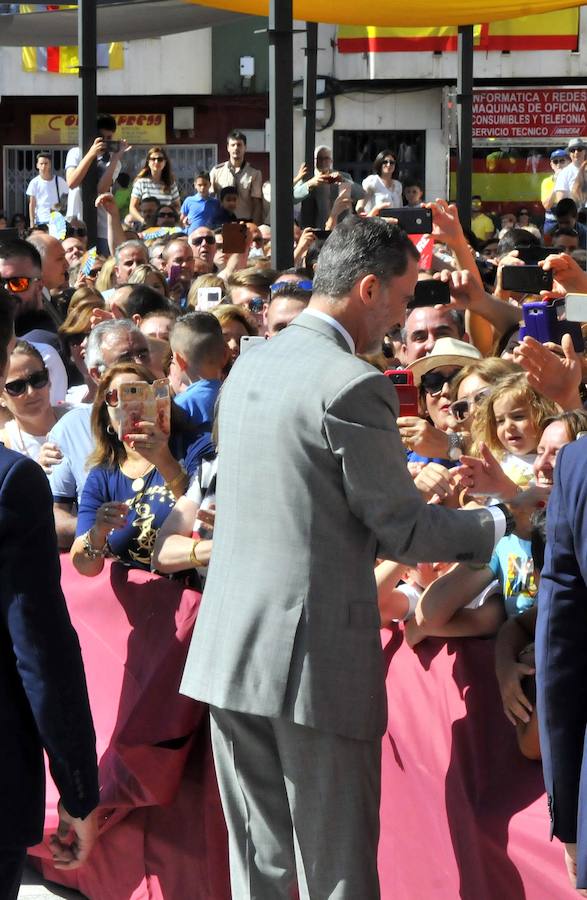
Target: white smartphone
{"points": [[576, 307], [208, 298], [249, 340]]}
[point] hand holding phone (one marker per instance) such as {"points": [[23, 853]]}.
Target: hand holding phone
{"points": [[413, 221], [526, 279]]}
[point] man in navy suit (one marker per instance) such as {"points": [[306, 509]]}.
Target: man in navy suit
{"points": [[43, 698], [561, 659]]}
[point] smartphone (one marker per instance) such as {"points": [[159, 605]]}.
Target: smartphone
{"points": [[526, 279], [532, 255], [413, 221], [208, 298], [546, 321], [321, 233], [174, 275], [250, 340], [139, 401], [576, 307], [429, 292], [407, 391], [234, 237], [112, 146]]}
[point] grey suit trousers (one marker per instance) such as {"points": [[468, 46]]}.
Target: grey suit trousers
{"points": [[302, 808]]}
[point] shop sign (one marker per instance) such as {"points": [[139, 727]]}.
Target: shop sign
{"points": [[136, 128], [529, 113]]}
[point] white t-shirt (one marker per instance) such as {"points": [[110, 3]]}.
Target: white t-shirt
{"points": [[74, 199], [566, 178], [378, 194], [46, 196]]}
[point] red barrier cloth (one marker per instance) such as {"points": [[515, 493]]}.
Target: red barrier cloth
{"points": [[463, 813], [162, 832]]}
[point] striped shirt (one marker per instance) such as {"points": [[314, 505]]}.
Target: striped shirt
{"points": [[146, 187]]}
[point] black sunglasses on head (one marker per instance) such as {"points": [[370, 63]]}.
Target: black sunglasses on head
{"points": [[36, 380]]}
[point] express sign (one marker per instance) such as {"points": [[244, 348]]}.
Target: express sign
{"points": [[527, 113]]}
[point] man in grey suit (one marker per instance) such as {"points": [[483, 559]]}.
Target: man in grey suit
{"points": [[312, 487]]}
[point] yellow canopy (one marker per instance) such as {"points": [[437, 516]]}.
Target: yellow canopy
{"points": [[394, 14]]}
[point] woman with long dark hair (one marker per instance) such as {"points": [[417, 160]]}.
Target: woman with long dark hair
{"points": [[156, 179], [381, 188]]}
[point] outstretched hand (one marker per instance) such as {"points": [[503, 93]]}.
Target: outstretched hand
{"points": [[557, 377]]}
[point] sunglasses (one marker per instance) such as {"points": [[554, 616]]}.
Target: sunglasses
{"points": [[166, 215], [433, 382], [204, 239], [76, 232], [18, 387], [156, 159], [305, 285], [18, 284], [462, 409], [258, 240], [559, 162], [388, 162], [255, 305], [578, 150]]}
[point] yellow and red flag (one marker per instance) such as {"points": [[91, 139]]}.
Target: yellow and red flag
{"points": [[65, 60], [550, 31]]}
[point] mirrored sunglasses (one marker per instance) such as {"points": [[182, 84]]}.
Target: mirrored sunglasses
{"points": [[18, 284]]}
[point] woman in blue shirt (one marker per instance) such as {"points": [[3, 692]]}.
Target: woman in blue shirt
{"points": [[132, 484]]}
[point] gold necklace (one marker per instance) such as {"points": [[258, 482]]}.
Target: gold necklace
{"points": [[138, 483]]}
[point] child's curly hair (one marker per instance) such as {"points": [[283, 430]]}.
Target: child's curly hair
{"points": [[484, 427]]}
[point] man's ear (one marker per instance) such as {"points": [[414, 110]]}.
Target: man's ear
{"points": [[180, 360], [367, 288]]}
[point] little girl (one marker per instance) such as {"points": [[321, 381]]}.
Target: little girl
{"points": [[509, 422]]}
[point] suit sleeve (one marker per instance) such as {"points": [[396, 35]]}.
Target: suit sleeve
{"points": [[361, 430], [561, 645], [46, 647]]}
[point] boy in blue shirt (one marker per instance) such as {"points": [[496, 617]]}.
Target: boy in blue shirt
{"points": [[200, 209], [201, 354]]}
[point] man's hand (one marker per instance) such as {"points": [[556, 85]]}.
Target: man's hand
{"points": [[516, 705], [50, 455], [485, 475], [321, 178], [419, 435], [446, 225], [124, 148], [465, 290], [571, 864], [554, 376], [107, 203], [568, 276], [98, 147], [73, 840]]}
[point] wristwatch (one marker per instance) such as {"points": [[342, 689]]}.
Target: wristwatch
{"points": [[510, 522], [90, 551], [455, 445]]}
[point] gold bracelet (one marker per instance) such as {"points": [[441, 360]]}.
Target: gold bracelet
{"points": [[196, 562], [175, 482], [90, 551]]}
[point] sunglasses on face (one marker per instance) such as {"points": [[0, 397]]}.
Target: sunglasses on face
{"points": [[255, 305], [18, 284], [166, 215], [258, 240], [18, 387], [156, 159], [433, 382], [462, 409], [204, 239], [388, 162], [559, 162], [577, 150], [77, 232]]}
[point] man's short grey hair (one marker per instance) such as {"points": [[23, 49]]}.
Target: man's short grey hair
{"points": [[359, 247], [131, 243], [457, 316], [94, 358]]}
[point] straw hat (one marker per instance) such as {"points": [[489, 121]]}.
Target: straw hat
{"points": [[447, 351]]}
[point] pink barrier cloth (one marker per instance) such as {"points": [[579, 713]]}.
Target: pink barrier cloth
{"points": [[162, 832], [463, 813]]}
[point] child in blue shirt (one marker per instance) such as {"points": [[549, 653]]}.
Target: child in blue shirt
{"points": [[200, 209], [200, 352]]}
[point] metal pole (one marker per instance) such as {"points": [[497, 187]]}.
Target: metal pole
{"points": [[88, 107], [309, 107], [281, 132], [465, 143]]}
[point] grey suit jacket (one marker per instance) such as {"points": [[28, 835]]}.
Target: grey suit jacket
{"points": [[312, 486]]}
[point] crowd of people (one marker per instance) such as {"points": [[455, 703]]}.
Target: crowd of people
{"points": [[162, 302]]}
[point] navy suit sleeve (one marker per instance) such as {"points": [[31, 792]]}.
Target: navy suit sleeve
{"points": [[46, 647], [561, 641]]}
